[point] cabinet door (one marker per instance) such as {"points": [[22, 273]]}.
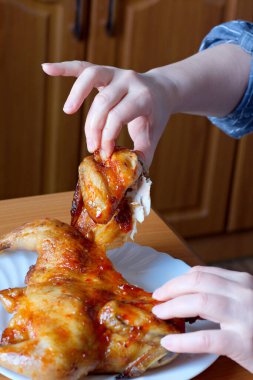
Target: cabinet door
{"points": [[241, 205], [38, 143], [192, 168]]}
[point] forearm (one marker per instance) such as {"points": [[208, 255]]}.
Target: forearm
{"points": [[210, 83]]}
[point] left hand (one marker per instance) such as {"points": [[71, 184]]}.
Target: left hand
{"points": [[219, 295]]}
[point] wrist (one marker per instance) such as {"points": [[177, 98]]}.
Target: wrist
{"points": [[170, 80]]}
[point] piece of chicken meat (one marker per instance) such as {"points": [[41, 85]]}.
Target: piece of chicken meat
{"points": [[111, 196], [77, 315]]}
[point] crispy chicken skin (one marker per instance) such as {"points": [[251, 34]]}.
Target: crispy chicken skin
{"points": [[100, 208], [103, 183], [77, 314]]}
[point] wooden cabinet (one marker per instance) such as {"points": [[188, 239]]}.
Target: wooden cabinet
{"points": [[235, 238], [240, 215], [202, 181], [241, 206], [21, 99], [39, 145]]}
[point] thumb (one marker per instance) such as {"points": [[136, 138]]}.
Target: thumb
{"points": [[139, 131]]}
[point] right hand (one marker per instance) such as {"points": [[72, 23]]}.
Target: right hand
{"points": [[124, 97], [218, 295]]}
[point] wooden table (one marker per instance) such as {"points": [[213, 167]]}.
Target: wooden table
{"points": [[153, 232]]}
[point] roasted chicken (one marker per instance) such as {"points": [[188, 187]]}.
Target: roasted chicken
{"points": [[111, 195], [77, 315]]}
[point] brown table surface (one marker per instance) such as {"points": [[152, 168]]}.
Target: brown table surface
{"points": [[153, 232]]}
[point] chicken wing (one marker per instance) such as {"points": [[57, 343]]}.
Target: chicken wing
{"points": [[111, 196]]}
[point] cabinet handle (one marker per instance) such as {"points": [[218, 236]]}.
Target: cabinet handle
{"points": [[78, 27], [110, 23]]}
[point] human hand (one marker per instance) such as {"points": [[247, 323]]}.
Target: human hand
{"points": [[124, 97], [219, 295]]}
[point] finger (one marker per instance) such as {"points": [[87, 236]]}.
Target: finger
{"points": [[139, 131], [194, 282], [240, 277], [125, 111], [218, 309], [220, 342], [68, 68], [104, 101], [92, 77]]}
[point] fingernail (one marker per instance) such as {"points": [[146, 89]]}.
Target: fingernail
{"points": [[157, 294], [68, 107], [167, 341], [103, 154], [44, 65], [159, 311], [91, 146]]}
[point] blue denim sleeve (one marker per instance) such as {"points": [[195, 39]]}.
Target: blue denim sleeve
{"points": [[240, 121]]}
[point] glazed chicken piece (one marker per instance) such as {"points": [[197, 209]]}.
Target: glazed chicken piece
{"points": [[77, 315], [111, 196]]}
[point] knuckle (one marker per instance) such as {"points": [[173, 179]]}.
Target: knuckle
{"points": [[79, 64], [107, 144], [102, 98], [107, 135], [131, 74], [196, 278], [206, 342], [196, 268], [247, 279], [114, 116], [203, 300], [145, 93], [91, 71]]}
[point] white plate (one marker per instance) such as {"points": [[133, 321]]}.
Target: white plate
{"points": [[142, 266]]}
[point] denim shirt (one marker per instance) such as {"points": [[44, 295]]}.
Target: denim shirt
{"points": [[240, 121]]}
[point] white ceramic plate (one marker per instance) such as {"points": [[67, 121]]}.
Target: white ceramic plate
{"points": [[142, 266]]}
